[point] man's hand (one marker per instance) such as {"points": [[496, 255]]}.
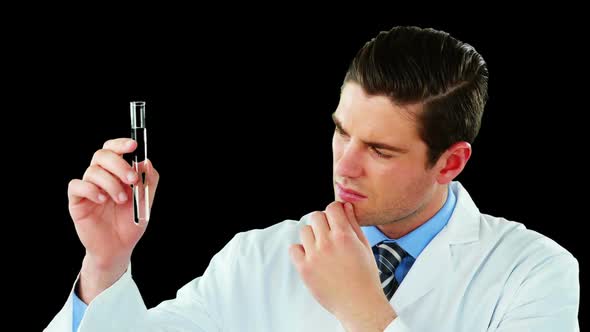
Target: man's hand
{"points": [[101, 207], [336, 263]]}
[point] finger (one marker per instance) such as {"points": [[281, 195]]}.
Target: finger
{"points": [[129, 226], [79, 190], [337, 218], [349, 208], [115, 164], [146, 172], [319, 224], [152, 179], [120, 145], [297, 253], [107, 182], [307, 238]]}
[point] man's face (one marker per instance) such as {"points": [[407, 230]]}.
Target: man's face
{"points": [[378, 154]]}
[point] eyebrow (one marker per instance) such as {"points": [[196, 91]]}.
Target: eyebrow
{"points": [[377, 145]]}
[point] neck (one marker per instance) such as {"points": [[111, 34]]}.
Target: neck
{"points": [[407, 224]]}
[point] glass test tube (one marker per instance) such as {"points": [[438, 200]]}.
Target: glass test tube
{"points": [[141, 208]]}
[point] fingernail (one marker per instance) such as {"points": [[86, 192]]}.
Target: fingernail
{"points": [[122, 197], [129, 143], [131, 177], [102, 197]]}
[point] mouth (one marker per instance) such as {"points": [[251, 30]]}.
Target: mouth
{"points": [[349, 195]]}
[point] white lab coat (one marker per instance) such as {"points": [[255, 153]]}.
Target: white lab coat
{"points": [[480, 273]]}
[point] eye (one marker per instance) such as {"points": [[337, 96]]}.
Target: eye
{"points": [[380, 154], [339, 131]]}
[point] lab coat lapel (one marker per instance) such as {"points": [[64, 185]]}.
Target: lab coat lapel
{"points": [[434, 265]]}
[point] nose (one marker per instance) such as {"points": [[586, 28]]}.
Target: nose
{"points": [[349, 163]]}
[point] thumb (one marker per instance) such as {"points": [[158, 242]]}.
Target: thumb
{"points": [[152, 178], [354, 223]]}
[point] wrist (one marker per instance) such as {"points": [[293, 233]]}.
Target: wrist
{"points": [[97, 275], [378, 318]]}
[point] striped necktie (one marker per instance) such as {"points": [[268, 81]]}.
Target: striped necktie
{"points": [[388, 256]]}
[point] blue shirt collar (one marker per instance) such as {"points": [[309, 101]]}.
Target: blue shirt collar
{"points": [[415, 241]]}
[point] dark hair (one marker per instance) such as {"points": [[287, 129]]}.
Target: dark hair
{"points": [[414, 65]]}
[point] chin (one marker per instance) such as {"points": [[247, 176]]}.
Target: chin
{"points": [[361, 218], [365, 223]]}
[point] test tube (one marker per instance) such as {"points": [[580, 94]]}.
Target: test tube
{"points": [[141, 208]]}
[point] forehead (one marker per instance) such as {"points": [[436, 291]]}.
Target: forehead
{"points": [[376, 117]]}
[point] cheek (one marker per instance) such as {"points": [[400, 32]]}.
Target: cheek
{"points": [[396, 182], [336, 148], [386, 184]]}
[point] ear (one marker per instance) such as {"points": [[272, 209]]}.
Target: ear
{"points": [[452, 161]]}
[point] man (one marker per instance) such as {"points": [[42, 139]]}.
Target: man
{"points": [[402, 248]]}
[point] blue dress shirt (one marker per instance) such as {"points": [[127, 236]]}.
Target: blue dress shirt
{"points": [[79, 309], [415, 241]]}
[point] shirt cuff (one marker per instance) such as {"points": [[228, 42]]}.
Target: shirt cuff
{"points": [[79, 308]]}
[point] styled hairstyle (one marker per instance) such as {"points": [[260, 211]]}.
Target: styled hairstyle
{"points": [[413, 65]]}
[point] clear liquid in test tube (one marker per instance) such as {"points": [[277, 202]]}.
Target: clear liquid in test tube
{"points": [[141, 208]]}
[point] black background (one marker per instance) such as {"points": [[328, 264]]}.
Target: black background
{"points": [[238, 114]]}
